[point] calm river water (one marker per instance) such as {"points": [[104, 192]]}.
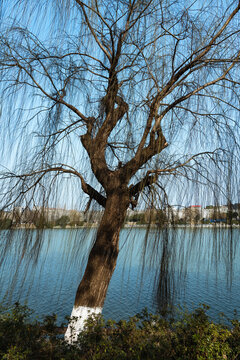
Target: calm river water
{"points": [[204, 263]]}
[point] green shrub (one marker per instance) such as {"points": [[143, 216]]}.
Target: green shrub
{"points": [[63, 221], [197, 338], [5, 224], [191, 336], [138, 218]]}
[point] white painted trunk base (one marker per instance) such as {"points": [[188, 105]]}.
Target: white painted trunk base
{"points": [[77, 322]]}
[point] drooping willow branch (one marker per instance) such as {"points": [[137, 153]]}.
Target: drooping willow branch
{"points": [[62, 169], [152, 176]]}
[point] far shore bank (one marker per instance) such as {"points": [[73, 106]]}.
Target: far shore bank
{"points": [[127, 226]]}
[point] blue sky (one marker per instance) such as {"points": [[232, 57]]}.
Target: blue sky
{"points": [[43, 24]]}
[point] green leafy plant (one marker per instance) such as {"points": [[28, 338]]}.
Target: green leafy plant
{"points": [[190, 336]]}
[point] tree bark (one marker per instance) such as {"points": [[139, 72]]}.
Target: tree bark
{"points": [[101, 264]]}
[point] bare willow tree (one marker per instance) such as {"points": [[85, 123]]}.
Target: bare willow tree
{"points": [[134, 99]]}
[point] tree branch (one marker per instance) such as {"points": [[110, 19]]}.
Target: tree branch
{"points": [[151, 176], [88, 189], [81, 4]]}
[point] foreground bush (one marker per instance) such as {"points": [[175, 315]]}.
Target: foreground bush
{"points": [[145, 336]]}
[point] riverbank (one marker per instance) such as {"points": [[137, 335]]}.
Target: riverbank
{"points": [[189, 336], [130, 225]]}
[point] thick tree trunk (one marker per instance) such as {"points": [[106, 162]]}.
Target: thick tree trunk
{"points": [[102, 260]]}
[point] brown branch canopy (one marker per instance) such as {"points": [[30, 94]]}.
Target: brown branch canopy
{"points": [[37, 176], [150, 76]]}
